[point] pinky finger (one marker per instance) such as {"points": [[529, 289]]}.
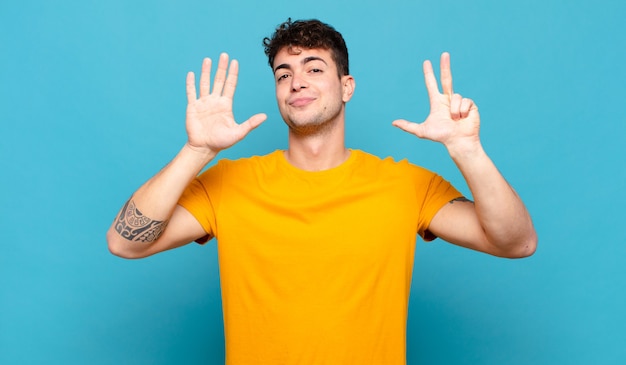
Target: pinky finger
{"points": [[191, 87]]}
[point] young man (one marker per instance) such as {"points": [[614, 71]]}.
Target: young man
{"points": [[316, 242]]}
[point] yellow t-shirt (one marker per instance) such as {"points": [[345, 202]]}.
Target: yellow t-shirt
{"points": [[315, 267]]}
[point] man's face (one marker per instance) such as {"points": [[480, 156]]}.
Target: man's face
{"points": [[309, 92]]}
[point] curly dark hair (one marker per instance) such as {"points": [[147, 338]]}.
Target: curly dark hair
{"points": [[308, 34]]}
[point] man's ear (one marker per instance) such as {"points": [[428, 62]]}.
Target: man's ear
{"points": [[348, 84]]}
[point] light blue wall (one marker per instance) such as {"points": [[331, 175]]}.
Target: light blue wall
{"points": [[92, 102]]}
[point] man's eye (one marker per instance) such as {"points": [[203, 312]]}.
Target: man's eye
{"points": [[282, 77], [316, 70]]}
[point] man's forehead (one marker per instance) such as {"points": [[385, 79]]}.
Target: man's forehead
{"points": [[287, 51]]}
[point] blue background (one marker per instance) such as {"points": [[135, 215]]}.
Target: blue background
{"points": [[92, 101]]}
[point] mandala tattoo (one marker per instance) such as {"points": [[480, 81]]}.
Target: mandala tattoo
{"points": [[134, 226], [461, 199]]}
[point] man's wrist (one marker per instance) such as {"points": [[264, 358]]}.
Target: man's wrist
{"points": [[204, 154], [467, 149]]}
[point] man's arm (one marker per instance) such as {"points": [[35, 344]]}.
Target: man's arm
{"points": [[151, 221], [498, 222]]}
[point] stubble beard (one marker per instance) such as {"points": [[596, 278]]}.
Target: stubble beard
{"points": [[319, 124]]}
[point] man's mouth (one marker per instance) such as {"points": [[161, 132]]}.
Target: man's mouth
{"points": [[302, 101]]}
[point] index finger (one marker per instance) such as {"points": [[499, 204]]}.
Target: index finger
{"points": [[430, 80], [446, 74]]}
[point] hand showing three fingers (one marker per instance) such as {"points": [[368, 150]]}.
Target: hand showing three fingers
{"points": [[453, 120], [210, 121]]}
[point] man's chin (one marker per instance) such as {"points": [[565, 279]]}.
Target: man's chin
{"points": [[308, 128]]}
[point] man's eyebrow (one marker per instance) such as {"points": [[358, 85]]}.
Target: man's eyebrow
{"points": [[313, 58], [284, 65], [304, 61]]}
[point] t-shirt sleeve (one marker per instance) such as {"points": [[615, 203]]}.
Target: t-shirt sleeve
{"points": [[437, 193], [200, 198]]}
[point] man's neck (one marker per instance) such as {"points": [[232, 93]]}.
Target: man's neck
{"points": [[317, 152]]}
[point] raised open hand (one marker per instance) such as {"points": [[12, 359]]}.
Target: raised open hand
{"points": [[210, 121], [453, 120]]}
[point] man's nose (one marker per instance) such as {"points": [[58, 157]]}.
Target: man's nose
{"points": [[298, 83]]}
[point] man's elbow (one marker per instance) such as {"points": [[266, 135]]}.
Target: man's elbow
{"points": [[119, 247], [117, 251], [524, 247]]}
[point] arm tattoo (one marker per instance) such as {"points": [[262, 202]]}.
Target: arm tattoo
{"points": [[134, 226], [461, 199]]}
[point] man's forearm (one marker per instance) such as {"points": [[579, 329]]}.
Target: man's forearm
{"points": [[146, 214], [133, 225], [502, 214], [158, 196]]}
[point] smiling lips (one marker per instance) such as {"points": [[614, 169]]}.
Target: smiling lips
{"points": [[301, 101]]}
